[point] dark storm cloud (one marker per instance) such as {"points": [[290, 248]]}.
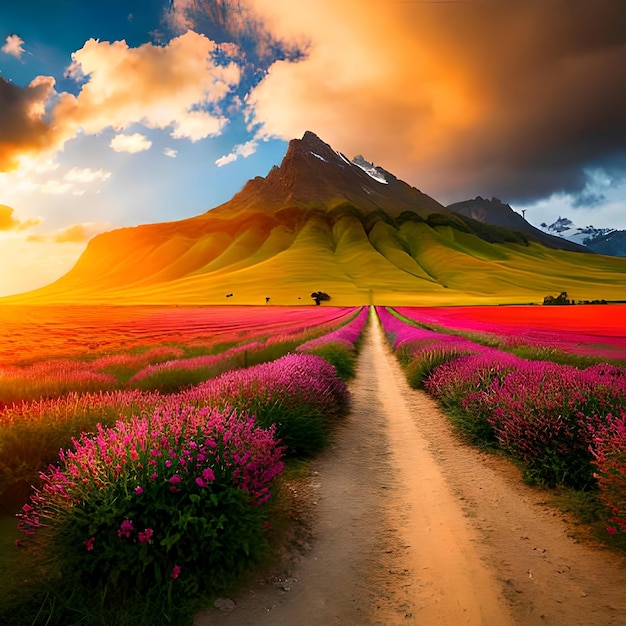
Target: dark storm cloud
{"points": [[238, 30], [516, 99], [23, 128]]}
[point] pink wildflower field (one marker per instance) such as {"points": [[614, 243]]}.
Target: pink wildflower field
{"points": [[593, 329]]}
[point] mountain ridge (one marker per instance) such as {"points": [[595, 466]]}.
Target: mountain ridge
{"points": [[498, 213]]}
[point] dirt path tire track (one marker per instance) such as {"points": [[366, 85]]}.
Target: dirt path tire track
{"points": [[413, 527]]}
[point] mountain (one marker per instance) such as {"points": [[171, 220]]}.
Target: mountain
{"points": [[320, 222], [314, 176], [497, 213], [601, 240]]}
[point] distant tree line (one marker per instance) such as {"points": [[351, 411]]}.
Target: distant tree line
{"points": [[563, 299]]}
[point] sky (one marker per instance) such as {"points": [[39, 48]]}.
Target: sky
{"points": [[122, 112]]}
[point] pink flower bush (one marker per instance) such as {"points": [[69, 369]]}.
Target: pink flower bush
{"points": [[209, 361], [204, 474], [609, 450], [300, 393]]}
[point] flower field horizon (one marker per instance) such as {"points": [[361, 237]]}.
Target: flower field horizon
{"points": [[589, 329]]}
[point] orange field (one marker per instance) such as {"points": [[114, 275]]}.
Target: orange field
{"points": [[34, 333]]}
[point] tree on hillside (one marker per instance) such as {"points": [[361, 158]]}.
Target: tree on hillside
{"points": [[320, 296]]}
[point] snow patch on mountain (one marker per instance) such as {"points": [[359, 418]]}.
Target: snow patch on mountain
{"points": [[345, 158], [369, 169], [565, 228], [318, 156]]}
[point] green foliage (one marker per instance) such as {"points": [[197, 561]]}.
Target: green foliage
{"points": [[440, 219], [472, 426], [27, 446], [547, 353], [588, 508], [408, 216], [426, 360], [493, 234], [340, 357]]}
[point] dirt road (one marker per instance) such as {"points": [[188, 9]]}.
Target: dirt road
{"points": [[410, 526]]}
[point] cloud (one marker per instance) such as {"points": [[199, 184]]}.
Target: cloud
{"points": [[170, 152], [75, 233], [13, 46], [23, 129], [86, 175], [464, 98], [236, 26], [226, 159], [8, 220], [177, 86], [157, 86], [130, 143], [244, 150], [72, 182]]}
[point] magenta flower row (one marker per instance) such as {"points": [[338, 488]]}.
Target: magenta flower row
{"points": [[567, 424], [346, 336]]}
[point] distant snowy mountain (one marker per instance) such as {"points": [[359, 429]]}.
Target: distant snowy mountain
{"points": [[564, 227], [608, 241]]}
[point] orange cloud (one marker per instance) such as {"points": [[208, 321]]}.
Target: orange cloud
{"points": [[76, 233], [23, 130], [8, 220], [483, 97]]}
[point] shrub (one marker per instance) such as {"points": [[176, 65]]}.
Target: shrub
{"points": [[300, 393], [339, 355], [31, 433], [610, 461], [423, 362], [339, 347], [163, 503]]}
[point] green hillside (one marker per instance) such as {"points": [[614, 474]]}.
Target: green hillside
{"points": [[355, 257]]}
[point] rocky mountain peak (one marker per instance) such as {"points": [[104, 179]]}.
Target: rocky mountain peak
{"points": [[314, 175]]}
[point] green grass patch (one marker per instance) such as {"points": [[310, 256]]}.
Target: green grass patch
{"points": [[591, 513]]}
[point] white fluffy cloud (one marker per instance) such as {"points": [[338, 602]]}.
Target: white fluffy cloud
{"points": [[177, 87], [86, 175], [130, 143], [243, 150]]}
